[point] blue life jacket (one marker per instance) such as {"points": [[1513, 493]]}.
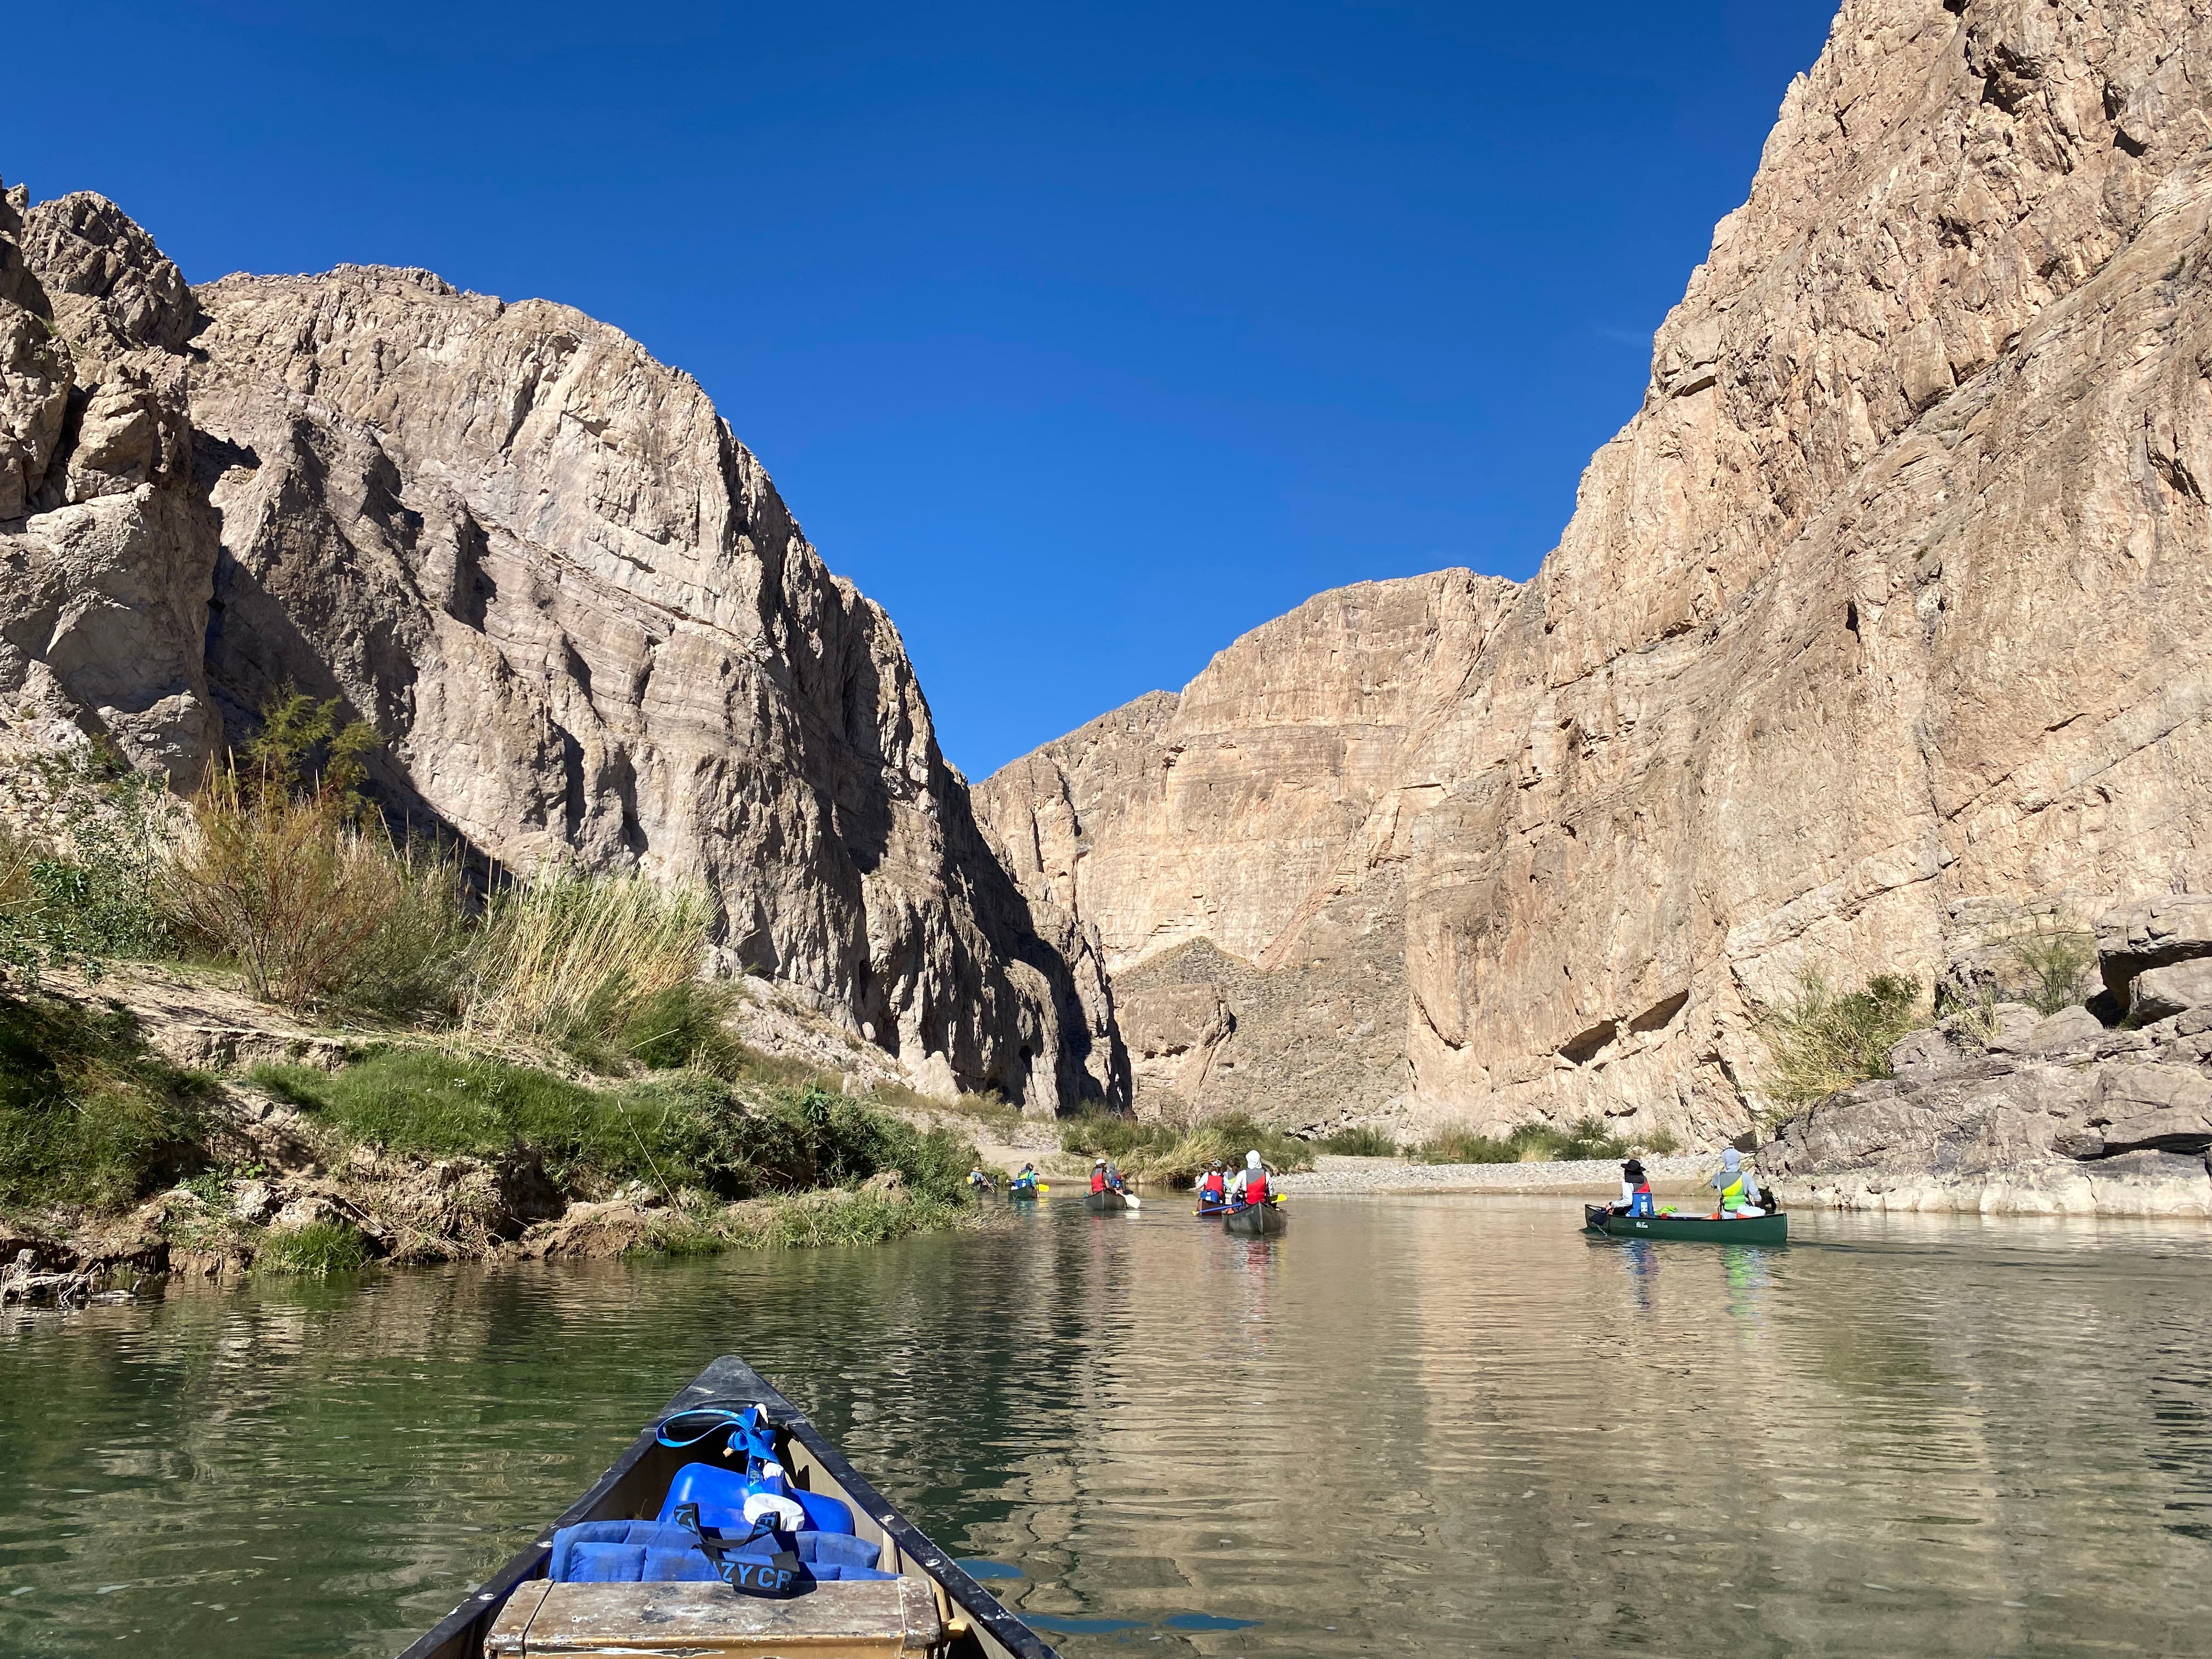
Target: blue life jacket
{"points": [[720, 1494]]}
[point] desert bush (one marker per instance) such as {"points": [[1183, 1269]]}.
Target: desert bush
{"points": [[87, 1116], [578, 960], [1366, 1141], [1662, 1143], [290, 888], [1526, 1143], [1821, 1040]]}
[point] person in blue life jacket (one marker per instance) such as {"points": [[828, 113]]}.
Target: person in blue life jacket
{"points": [[981, 1182], [1113, 1181], [1737, 1185], [1635, 1190], [1025, 1181]]}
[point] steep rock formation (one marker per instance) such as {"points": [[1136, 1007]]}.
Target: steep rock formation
{"points": [[1892, 597], [108, 550], [540, 565]]}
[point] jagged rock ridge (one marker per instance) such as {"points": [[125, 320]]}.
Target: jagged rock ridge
{"points": [[1888, 608], [541, 565]]}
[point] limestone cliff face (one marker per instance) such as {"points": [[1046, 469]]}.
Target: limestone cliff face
{"points": [[571, 603], [1892, 600]]}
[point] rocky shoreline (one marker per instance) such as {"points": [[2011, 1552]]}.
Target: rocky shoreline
{"points": [[2102, 1109]]}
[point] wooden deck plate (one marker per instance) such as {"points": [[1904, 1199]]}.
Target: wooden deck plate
{"points": [[861, 1619]]}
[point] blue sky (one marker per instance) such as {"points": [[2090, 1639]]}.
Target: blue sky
{"points": [[1084, 338]]}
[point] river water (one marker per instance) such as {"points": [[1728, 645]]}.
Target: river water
{"points": [[1440, 1426]]}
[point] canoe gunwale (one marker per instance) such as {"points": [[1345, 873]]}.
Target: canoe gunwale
{"points": [[730, 1381]]}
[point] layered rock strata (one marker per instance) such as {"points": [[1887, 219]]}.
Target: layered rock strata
{"points": [[2004, 1111], [1890, 602], [574, 607]]}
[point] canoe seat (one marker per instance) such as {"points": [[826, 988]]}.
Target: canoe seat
{"points": [[838, 1620], [652, 1552]]}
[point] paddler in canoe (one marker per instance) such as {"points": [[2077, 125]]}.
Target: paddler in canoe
{"points": [[1635, 1190], [1213, 1189], [1105, 1178], [1738, 1188], [1024, 1183], [1250, 1186]]}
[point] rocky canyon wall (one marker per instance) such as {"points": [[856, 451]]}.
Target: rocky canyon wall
{"points": [[539, 563], [1887, 612]]}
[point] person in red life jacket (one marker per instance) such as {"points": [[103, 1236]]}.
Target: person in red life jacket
{"points": [[1251, 1184], [1213, 1191], [1098, 1176], [1635, 1190]]}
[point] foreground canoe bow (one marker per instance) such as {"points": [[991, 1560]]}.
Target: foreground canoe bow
{"points": [[1744, 1230], [933, 1605]]}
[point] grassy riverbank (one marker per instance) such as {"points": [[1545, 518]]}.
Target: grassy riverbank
{"points": [[413, 1152]]}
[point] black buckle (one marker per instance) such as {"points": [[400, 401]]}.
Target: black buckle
{"points": [[781, 1575]]}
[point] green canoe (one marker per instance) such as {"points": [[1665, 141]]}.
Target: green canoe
{"points": [[1256, 1220], [1106, 1202], [1748, 1230]]}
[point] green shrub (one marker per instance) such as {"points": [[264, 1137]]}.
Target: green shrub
{"points": [[1527, 1143], [85, 892], [317, 1250], [1821, 1041], [410, 962], [687, 1131], [87, 1116], [2057, 961], [1662, 1143], [1366, 1141]]}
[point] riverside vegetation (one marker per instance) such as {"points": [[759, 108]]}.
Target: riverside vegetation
{"points": [[544, 1050]]}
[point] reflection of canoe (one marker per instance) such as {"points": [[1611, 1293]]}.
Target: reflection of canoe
{"points": [[1105, 1202], [1255, 1220], [932, 1604], [1747, 1230]]}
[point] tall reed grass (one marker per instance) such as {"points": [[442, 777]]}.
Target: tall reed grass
{"points": [[1821, 1040], [566, 957]]}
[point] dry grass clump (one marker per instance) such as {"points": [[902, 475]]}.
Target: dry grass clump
{"points": [[566, 955], [1822, 1041]]}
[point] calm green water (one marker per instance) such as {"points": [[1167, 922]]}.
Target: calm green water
{"points": [[1434, 1426]]}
